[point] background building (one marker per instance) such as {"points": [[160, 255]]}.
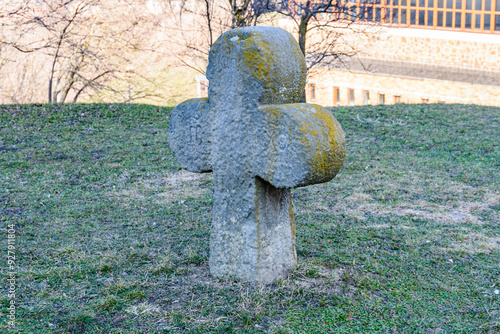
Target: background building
{"points": [[415, 51]]}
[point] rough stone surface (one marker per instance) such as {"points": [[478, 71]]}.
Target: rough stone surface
{"points": [[259, 142], [190, 135]]}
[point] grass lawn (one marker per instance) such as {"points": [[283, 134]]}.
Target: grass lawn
{"points": [[112, 237]]}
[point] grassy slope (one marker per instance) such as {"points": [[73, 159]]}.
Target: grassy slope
{"points": [[113, 238]]}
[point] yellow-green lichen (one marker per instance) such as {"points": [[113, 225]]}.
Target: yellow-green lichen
{"points": [[258, 57], [326, 161], [318, 137]]}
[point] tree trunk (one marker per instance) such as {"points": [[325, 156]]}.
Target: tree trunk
{"points": [[209, 21], [304, 20], [50, 90], [55, 92], [233, 13], [64, 92]]}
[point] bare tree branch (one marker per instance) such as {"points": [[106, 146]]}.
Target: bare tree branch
{"points": [[86, 41]]}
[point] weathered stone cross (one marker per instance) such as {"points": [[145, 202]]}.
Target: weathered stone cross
{"points": [[259, 142]]}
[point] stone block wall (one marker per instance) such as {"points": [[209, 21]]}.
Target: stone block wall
{"points": [[417, 45], [447, 48]]}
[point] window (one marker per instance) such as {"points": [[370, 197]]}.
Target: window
{"points": [[465, 15], [203, 87], [381, 98], [203, 92], [313, 92], [336, 96], [367, 97], [397, 99], [351, 97]]}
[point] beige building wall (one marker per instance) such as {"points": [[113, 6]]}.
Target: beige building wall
{"points": [[408, 90]]}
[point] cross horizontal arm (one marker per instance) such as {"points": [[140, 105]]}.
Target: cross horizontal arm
{"points": [[190, 135], [298, 144]]}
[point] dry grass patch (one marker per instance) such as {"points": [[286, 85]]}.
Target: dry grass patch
{"points": [[466, 212], [173, 188], [472, 243], [453, 209], [144, 308]]}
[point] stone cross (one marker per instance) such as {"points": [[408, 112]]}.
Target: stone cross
{"points": [[259, 142]]}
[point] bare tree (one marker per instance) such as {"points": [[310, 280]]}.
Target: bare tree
{"points": [[113, 50], [321, 26], [248, 12], [198, 23], [86, 44]]}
